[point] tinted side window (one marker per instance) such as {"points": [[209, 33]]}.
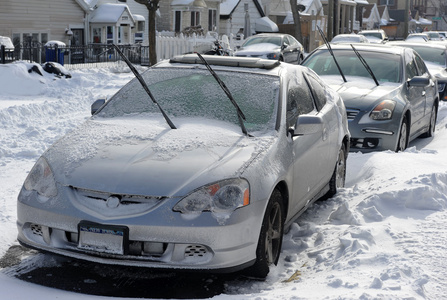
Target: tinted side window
{"points": [[317, 91], [299, 100], [421, 65], [410, 67]]}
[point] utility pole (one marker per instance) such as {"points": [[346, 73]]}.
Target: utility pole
{"points": [[330, 21], [406, 17]]}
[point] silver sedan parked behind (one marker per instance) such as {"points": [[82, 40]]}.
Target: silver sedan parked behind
{"points": [[209, 185], [391, 98], [276, 46]]}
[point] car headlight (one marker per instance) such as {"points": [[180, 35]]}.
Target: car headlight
{"points": [[41, 179], [441, 87], [383, 111], [221, 197], [274, 55]]}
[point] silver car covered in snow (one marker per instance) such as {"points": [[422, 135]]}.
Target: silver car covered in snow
{"points": [[210, 185]]}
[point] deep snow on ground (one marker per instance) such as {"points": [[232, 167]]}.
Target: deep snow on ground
{"points": [[381, 237]]}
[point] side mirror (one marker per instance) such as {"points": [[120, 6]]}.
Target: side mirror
{"points": [[419, 81], [97, 105], [306, 125]]}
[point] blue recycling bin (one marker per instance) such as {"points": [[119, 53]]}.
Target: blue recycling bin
{"points": [[54, 54]]}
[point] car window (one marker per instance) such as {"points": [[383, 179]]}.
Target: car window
{"points": [[286, 41], [421, 65], [317, 91], [192, 93], [263, 39], [432, 55], [292, 41], [410, 68], [299, 99]]}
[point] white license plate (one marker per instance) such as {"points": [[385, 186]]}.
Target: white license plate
{"points": [[102, 238]]}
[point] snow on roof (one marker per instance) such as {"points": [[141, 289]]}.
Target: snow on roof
{"points": [[361, 2], [108, 13], [139, 17], [227, 6]]}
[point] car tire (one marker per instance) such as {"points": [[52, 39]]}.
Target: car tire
{"points": [[270, 238], [433, 117], [402, 142], [338, 177]]}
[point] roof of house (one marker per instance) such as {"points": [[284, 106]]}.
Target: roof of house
{"points": [[109, 13], [227, 7]]}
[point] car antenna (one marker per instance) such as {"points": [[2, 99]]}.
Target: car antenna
{"points": [[145, 87], [240, 114], [329, 48], [365, 64]]}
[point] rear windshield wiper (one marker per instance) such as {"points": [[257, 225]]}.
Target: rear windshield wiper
{"points": [[365, 64], [240, 114], [145, 87], [329, 48]]}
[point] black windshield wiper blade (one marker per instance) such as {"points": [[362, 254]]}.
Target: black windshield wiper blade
{"points": [[365, 64], [145, 87], [240, 114], [329, 48]]}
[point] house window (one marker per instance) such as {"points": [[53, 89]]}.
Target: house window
{"points": [[109, 34], [178, 21], [195, 18], [387, 2], [97, 35], [140, 26], [212, 20]]}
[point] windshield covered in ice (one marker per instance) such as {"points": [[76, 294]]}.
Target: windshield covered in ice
{"points": [[194, 93], [385, 66]]}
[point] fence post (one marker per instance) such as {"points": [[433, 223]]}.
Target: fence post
{"points": [[2, 52]]}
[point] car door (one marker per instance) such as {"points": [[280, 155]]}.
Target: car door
{"points": [[431, 90], [309, 151], [415, 94], [290, 51]]}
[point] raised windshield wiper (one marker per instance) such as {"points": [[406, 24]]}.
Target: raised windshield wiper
{"points": [[145, 87], [365, 64], [240, 114], [329, 48]]}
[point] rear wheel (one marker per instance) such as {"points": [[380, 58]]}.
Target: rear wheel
{"points": [[270, 238], [403, 136]]}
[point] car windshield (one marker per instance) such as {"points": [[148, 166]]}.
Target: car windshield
{"points": [[193, 93], [372, 34], [386, 67], [263, 39]]}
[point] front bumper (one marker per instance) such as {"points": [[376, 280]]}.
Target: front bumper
{"points": [[369, 135], [156, 238]]}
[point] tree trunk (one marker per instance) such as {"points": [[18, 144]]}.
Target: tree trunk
{"points": [[152, 6], [296, 20]]}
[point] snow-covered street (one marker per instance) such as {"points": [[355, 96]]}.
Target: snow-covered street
{"points": [[382, 237]]}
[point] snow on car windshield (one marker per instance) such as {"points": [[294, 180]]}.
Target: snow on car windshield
{"points": [[386, 67], [195, 93]]}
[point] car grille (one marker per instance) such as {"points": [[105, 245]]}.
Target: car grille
{"points": [[111, 205], [352, 113]]}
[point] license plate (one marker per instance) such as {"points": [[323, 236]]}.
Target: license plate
{"points": [[102, 238]]}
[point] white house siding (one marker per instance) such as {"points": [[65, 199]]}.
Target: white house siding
{"points": [[237, 19], [42, 18]]}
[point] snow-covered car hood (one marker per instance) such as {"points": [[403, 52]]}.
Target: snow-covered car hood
{"points": [[258, 49], [365, 94], [145, 157]]}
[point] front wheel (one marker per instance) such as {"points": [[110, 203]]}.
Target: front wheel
{"points": [[433, 117], [338, 177], [403, 136], [270, 238]]}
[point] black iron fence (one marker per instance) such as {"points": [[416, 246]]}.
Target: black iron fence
{"points": [[93, 53]]}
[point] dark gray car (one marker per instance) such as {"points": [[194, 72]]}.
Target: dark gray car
{"points": [[388, 110]]}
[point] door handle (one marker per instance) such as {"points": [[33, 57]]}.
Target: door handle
{"points": [[423, 93]]}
